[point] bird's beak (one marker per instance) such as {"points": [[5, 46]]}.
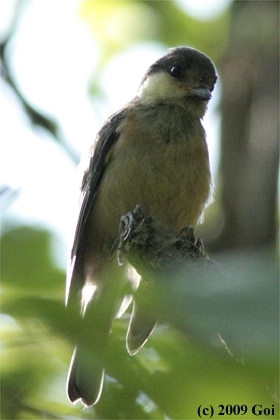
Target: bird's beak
{"points": [[201, 93]]}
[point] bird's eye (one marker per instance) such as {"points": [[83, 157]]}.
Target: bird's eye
{"points": [[176, 71]]}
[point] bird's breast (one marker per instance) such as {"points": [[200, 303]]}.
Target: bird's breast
{"points": [[163, 167]]}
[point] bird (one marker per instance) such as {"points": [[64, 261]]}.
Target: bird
{"points": [[153, 153]]}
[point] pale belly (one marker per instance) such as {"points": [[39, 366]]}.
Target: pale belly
{"points": [[170, 181]]}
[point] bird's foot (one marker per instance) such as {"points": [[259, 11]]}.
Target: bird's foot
{"points": [[127, 224], [188, 233]]}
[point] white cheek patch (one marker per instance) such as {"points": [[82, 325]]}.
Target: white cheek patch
{"points": [[159, 87]]}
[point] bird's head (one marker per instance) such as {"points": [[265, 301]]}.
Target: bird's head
{"points": [[184, 76]]}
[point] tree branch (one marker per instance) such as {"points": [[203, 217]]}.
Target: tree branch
{"points": [[38, 119], [232, 306]]}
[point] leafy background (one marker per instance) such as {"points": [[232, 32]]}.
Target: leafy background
{"points": [[60, 80]]}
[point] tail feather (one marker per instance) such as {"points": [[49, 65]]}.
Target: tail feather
{"points": [[85, 378], [86, 372], [140, 328]]}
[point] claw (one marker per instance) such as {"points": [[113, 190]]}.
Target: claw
{"points": [[138, 213], [199, 244], [188, 233], [125, 227], [120, 258]]}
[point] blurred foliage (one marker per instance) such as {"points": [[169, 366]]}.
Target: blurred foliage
{"points": [[171, 376], [119, 25], [26, 250]]}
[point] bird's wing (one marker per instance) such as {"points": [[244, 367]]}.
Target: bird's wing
{"points": [[93, 174]]}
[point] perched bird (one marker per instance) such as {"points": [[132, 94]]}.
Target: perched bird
{"points": [[152, 152]]}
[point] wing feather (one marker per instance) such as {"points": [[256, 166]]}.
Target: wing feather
{"points": [[93, 174]]}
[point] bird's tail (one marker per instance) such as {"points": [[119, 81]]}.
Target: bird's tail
{"points": [[86, 372], [140, 328], [144, 317], [85, 378]]}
